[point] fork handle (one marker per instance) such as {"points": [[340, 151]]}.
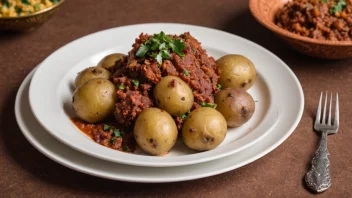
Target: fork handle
{"points": [[318, 177]]}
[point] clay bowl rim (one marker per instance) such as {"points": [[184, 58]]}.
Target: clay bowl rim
{"points": [[35, 13], [282, 32]]}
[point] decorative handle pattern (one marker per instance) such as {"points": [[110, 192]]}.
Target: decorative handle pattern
{"points": [[318, 177]]}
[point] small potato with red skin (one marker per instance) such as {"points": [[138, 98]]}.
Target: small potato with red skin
{"points": [[236, 105], [155, 131]]}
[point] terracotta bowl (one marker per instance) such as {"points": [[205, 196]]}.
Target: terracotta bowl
{"points": [[28, 22], [264, 11]]}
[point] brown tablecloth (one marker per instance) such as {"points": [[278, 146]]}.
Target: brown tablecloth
{"points": [[25, 172]]}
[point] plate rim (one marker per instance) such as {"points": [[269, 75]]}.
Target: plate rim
{"points": [[167, 163]]}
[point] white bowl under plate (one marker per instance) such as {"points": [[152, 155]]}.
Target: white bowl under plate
{"points": [[277, 91], [78, 161]]}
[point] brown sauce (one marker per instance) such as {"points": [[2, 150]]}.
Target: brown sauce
{"points": [[108, 135]]}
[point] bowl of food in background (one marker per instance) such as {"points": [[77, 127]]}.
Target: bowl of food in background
{"points": [[24, 15], [319, 28]]}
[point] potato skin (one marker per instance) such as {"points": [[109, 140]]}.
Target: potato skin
{"points": [[108, 62], [155, 131], [204, 129], [236, 105], [94, 100], [91, 73], [236, 71], [173, 95]]}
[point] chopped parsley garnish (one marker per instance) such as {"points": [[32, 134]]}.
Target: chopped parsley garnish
{"points": [[338, 7], [6, 3], [25, 2], [113, 140], [37, 6], [184, 116], [218, 86], [194, 50], [121, 86], [107, 127], [126, 148], [324, 1], [159, 47], [135, 82], [116, 133], [206, 104], [18, 10], [186, 72]]}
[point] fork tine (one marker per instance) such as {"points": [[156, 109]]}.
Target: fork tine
{"points": [[317, 118], [323, 121], [336, 120], [329, 118]]}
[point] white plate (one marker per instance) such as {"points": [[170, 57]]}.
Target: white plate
{"points": [[277, 90], [78, 161]]}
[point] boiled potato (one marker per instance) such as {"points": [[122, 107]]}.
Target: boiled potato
{"points": [[204, 129], [155, 131], [94, 100], [236, 71], [173, 95], [236, 105], [90, 73], [108, 62]]}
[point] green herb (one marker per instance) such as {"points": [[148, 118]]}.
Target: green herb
{"points": [[338, 7], [159, 47], [135, 82], [121, 86], [116, 133], [178, 46], [25, 2], [186, 72], [143, 49], [194, 50], [184, 116], [218, 86], [6, 3], [18, 10], [159, 58], [37, 6], [55, 1], [125, 148], [324, 1], [113, 140], [206, 104], [106, 127]]}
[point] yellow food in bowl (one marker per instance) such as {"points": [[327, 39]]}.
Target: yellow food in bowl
{"points": [[14, 8]]}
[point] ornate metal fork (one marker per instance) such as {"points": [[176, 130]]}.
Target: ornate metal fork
{"points": [[318, 177]]}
